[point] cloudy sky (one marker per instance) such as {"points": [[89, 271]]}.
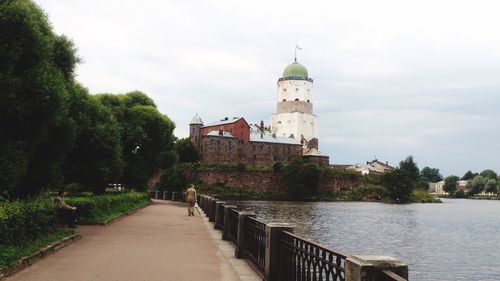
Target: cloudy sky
{"points": [[391, 78]]}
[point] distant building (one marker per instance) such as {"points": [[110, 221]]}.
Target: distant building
{"points": [[438, 187], [232, 141], [373, 167]]}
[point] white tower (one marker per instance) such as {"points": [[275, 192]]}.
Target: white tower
{"points": [[294, 117]]}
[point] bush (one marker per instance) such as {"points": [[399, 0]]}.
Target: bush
{"points": [[21, 221], [277, 166], [102, 208], [366, 192]]}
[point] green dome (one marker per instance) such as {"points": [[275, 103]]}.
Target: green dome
{"points": [[295, 70]]}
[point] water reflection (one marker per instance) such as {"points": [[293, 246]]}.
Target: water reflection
{"points": [[456, 240]]}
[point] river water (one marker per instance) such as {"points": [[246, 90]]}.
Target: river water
{"points": [[456, 240]]}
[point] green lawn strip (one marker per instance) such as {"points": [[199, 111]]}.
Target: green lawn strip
{"points": [[11, 253]]}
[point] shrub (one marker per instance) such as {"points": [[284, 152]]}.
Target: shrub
{"points": [[277, 166], [26, 220], [366, 192], [101, 208]]}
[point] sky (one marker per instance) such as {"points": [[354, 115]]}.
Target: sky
{"points": [[391, 78]]}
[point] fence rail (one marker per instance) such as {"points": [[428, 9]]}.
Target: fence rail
{"points": [[255, 232], [307, 261]]}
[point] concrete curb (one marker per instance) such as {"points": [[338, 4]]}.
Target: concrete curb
{"points": [[25, 262]]}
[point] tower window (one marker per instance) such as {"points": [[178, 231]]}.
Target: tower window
{"points": [[307, 100], [284, 100], [284, 89], [296, 89], [296, 99]]}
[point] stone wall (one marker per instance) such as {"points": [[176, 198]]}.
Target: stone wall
{"points": [[219, 149], [262, 181]]}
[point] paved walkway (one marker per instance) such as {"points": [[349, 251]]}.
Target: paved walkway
{"points": [[159, 242]]}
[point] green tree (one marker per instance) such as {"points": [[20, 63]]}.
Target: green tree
{"points": [[301, 179], [186, 151], [36, 67], [469, 175], [147, 136], [172, 179], [399, 185], [431, 174], [410, 167], [488, 174], [450, 184], [476, 185], [491, 186], [423, 183], [95, 158]]}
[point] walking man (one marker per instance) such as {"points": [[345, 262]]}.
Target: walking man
{"points": [[191, 199]]}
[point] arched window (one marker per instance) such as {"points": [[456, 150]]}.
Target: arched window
{"points": [[284, 100], [296, 99]]}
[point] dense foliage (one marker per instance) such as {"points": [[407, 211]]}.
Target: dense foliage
{"points": [[36, 70], [186, 151], [300, 178], [102, 208], [52, 132], [22, 221]]}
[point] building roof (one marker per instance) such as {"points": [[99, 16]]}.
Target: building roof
{"points": [[224, 134], [256, 137], [196, 120], [295, 70], [224, 122]]}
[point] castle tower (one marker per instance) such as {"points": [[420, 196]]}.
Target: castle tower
{"points": [[194, 131], [295, 117]]}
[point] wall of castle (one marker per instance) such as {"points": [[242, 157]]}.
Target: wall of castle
{"points": [[262, 181], [295, 89], [296, 123], [292, 106], [218, 149], [239, 129]]}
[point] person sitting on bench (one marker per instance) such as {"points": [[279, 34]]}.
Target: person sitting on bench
{"points": [[66, 211]]}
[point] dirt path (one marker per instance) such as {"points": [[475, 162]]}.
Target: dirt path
{"points": [[159, 242]]}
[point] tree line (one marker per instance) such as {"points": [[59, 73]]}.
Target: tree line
{"points": [[54, 133]]}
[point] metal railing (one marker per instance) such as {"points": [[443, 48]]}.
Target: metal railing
{"points": [[304, 260], [255, 232], [233, 225], [219, 218]]}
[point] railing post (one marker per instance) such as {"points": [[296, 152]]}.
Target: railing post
{"points": [[369, 268], [219, 214], [272, 251], [242, 239], [211, 218], [156, 194], [164, 195], [174, 195], [225, 227]]}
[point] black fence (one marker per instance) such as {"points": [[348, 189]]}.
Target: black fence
{"points": [[255, 232], [307, 261], [233, 218]]}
